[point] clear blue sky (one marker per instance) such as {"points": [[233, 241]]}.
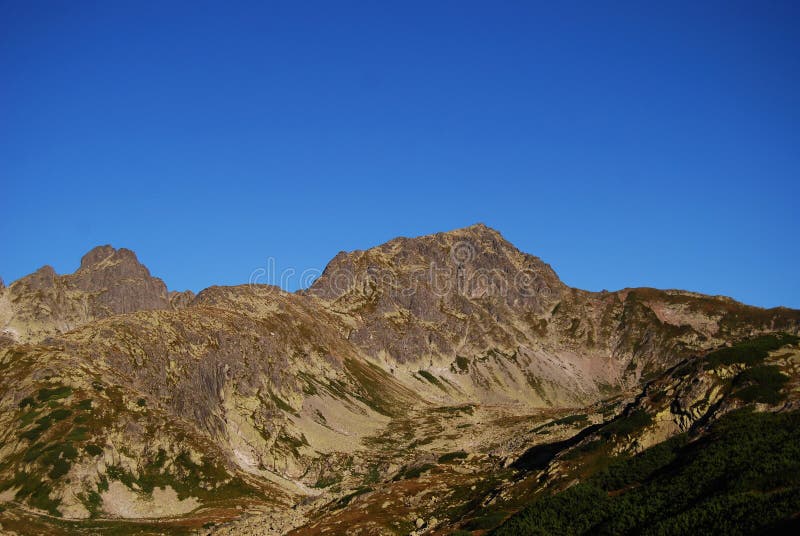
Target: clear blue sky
{"points": [[625, 145]]}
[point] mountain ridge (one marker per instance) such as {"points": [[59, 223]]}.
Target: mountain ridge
{"points": [[394, 355]]}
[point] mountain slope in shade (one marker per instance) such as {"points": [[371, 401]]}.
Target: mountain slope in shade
{"points": [[116, 395]]}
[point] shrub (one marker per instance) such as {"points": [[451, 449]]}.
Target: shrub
{"points": [[56, 393], [450, 456], [627, 424], [431, 378], [743, 477], [761, 384], [750, 352], [93, 450]]}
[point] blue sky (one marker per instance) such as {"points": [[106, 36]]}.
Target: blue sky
{"points": [[626, 145]]}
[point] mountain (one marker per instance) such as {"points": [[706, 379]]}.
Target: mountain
{"points": [[108, 282], [421, 362]]}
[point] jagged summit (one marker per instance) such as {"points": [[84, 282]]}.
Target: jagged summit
{"points": [[120, 263], [109, 281], [479, 229], [475, 252], [99, 254], [96, 255], [478, 233], [476, 230]]}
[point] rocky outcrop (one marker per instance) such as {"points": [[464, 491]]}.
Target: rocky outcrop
{"points": [[181, 300], [108, 282], [441, 294], [120, 282]]}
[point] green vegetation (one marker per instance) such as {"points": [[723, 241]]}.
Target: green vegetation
{"points": [[743, 477], [761, 384], [308, 386], [416, 472], [344, 501], [81, 433], [746, 352], [46, 395], [93, 501], [450, 456], [207, 479], [282, 404], [60, 414], [371, 388], [570, 420], [431, 378], [585, 448], [373, 475], [486, 520], [60, 468], [462, 363], [466, 499], [412, 472], [624, 472], [34, 490], [42, 425], [325, 481], [627, 424], [469, 409], [93, 450], [749, 352], [28, 417], [56, 458]]}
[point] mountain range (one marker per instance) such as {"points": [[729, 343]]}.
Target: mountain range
{"points": [[428, 385]]}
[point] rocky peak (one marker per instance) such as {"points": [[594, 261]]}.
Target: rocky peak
{"points": [[425, 292], [121, 261], [122, 283], [475, 262], [97, 255], [109, 281], [42, 278]]}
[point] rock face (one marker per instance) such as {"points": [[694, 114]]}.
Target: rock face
{"points": [[440, 294], [179, 300], [108, 282], [251, 391]]}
